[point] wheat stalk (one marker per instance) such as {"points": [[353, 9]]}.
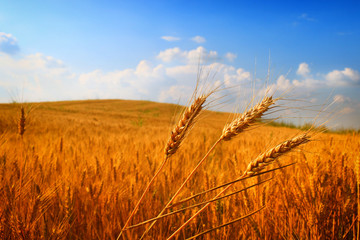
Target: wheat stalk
{"points": [[228, 223], [196, 205], [357, 171], [256, 166], [226, 184], [241, 123], [178, 134]]}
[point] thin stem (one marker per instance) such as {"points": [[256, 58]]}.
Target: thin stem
{"points": [[142, 196], [226, 224], [195, 205], [225, 184], [202, 209], [182, 186]]}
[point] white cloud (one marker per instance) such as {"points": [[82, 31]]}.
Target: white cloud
{"points": [[144, 81], [198, 39], [192, 56], [169, 78], [232, 77], [308, 83], [346, 77], [170, 38], [47, 78], [347, 110], [170, 54], [42, 77], [283, 83], [303, 69], [230, 56], [175, 93], [8, 43], [341, 98]]}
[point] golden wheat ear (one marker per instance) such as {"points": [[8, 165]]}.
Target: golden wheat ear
{"points": [[269, 156], [242, 122], [21, 121], [180, 131], [185, 123], [255, 167], [246, 119]]}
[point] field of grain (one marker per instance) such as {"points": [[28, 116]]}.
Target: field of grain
{"points": [[81, 166]]}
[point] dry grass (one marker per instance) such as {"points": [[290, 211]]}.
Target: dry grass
{"points": [[82, 166]]}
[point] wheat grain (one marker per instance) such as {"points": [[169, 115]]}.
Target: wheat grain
{"points": [[246, 119], [181, 129], [269, 156], [230, 130], [22, 119], [177, 136], [255, 167]]}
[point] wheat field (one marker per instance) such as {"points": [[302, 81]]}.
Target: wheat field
{"points": [[76, 169]]}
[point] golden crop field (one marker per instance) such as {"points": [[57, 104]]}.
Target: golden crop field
{"points": [[80, 167]]}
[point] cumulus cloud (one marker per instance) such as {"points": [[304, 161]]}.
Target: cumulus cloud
{"points": [[283, 83], [230, 56], [341, 98], [42, 77], [347, 110], [47, 78], [170, 38], [192, 56], [175, 93], [303, 69], [346, 77], [309, 83], [234, 77], [8, 43], [169, 78], [198, 39], [144, 80]]}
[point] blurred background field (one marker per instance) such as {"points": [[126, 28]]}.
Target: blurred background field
{"points": [[80, 167]]}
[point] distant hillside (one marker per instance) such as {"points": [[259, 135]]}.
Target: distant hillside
{"points": [[133, 112]]}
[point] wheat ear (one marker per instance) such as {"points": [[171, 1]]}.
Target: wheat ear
{"points": [[256, 166], [177, 136], [187, 120], [245, 120], [21, 123], [269, 156]]}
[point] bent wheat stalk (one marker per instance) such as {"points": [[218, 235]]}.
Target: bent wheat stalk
{"points": [[197, 205], [225, 184], [226, 224], [242, 122], [177, 136], [256, 166]]}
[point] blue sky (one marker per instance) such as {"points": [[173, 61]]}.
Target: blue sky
{"points": [[59, 50]]}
